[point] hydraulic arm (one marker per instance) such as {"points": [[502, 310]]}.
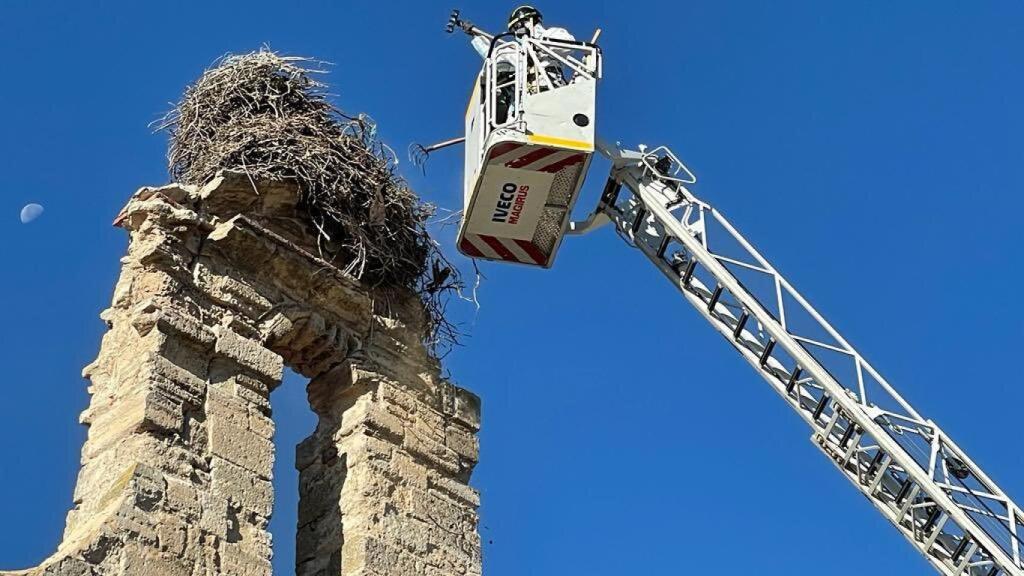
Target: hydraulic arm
{"points": [[912, 472]]}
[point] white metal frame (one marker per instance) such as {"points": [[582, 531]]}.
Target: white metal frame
{"points": [[579, 59], [912, 472]]}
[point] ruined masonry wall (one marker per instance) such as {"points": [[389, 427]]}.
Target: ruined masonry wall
{"points": [[222, 288]]}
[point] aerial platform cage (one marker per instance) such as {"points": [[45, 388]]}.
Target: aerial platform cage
{"points": [[529, 142]]}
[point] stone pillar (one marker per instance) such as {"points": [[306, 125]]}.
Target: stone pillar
{"points": [[222, 288], [383, 477]]}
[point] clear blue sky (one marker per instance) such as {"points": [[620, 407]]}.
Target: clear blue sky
{"points": [[873, 150]]}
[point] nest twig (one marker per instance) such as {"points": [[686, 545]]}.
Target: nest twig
{"points": [[265, 114]]}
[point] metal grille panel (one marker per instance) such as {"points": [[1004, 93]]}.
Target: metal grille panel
{"points": [[564, 184], [552, 222], [549, 229]]}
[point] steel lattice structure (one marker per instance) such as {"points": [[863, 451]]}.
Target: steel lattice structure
{"points": [[913, 473]]}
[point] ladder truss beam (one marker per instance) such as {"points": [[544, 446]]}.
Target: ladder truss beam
{"points": [[914, 474]]}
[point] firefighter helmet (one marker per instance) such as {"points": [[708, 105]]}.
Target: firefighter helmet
{"points": [[523, 13]]}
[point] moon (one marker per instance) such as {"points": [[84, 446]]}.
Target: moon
{"points": [[30, 212]]}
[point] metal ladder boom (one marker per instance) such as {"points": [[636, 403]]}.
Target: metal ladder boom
{"points": [[911, 471]]}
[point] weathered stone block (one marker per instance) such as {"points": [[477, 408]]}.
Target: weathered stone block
{"points": [[175, 381], [172, 535], [181, 499], [216, 514], [256, 393], [451, 516], [232, 292], [431, 451], [407, 471], [384, 425], [235, 560], [249, 354], [467, 408], [174, 323], [321, 493], [382, 557], [463, 442], [148, 487], [454, 489], [162, 414], [236, 242], [139, 560], [242, 447], [184, 354], [320, 534], [306, 452], [261, 424], [242, 487], [223, 406], [227, 195], [69, 567]]}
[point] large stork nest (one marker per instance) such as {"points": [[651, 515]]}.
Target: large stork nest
{"points": [[266, 115]]}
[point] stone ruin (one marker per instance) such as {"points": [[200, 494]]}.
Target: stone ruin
{"points": [[221, 289]]}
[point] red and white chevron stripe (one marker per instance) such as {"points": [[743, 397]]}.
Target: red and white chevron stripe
{"points": [[508, 249], [534, 158]]}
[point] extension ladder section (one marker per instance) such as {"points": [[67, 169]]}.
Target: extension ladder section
{"points": [[913, 473]]}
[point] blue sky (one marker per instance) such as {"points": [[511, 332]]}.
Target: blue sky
{"points": [[872, 150]]}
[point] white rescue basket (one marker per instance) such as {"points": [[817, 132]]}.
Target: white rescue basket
{"points": [[529, 142]]}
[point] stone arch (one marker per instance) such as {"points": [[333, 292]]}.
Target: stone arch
{"points": [[221, 288]]}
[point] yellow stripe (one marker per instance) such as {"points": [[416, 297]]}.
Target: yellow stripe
{"points": [[473, 98], [562, 142]]}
